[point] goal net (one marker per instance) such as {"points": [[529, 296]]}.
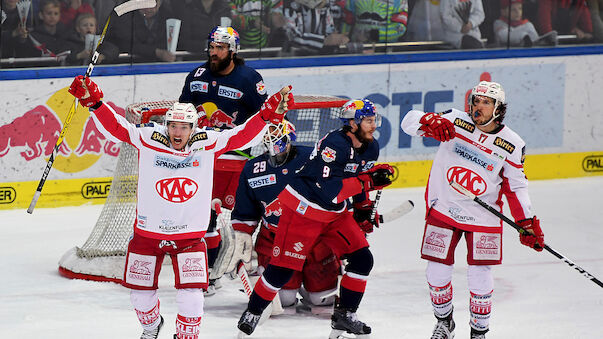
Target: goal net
{"points": [[102, 256]]}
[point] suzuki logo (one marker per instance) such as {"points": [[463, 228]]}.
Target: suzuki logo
{"points": [[298, 246], [176, 190], [468, 179]]}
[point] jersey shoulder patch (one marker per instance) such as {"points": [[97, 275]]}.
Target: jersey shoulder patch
{"points": [[160, 138], [197, 137], [504, 144], [464, 124]]}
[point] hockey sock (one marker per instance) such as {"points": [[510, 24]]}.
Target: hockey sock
{"points": [[187, 328], [149, 319], [267, 287], [480, 306], [441, 299], [353, 282]]}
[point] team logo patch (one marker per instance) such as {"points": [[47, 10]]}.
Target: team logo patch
{"points": [[276, 251], [160, 138], [199, 71], [474, 157], [141, 269], [148, 124], [328, 154], [504, 144], [468, 179], [486, 246], [199, 86], [436, 242], [192, 267], [197, 137], [350, 167], [273, 208], [261, 88], [302, 208], [142, 220], [264, 180], [467, 126], [229, 92], [176, 190]]}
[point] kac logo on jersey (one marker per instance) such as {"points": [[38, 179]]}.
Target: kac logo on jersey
{"points": [[199, 86], [229, 92], [177, 190], [468, 179], [264, 180]]}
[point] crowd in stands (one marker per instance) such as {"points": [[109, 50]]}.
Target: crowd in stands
{"points": [[68, 29]]}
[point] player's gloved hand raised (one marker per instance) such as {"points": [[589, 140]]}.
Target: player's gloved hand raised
{"points": [[362, 215], [376, 178], [86, 90], [437, 127], [533, 237], [274, 108]]}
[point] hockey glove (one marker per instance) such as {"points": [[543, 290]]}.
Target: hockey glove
{"points": [[274, 108], [533, 237], [86, 90], [362, 215], [376, 178], [437, 127], [243, 246]]}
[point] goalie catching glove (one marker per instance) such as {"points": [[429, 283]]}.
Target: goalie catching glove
{"points": [[362, 215], [86, 91], [533, 237], [376, 178], [243, 247], [437, 127], [274, 108]]}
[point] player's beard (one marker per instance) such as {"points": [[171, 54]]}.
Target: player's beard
{"points": [[363, 136], [221, 65]]}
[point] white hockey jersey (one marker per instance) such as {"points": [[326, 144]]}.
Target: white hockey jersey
{"points": [[487, 164], [174, 188]]}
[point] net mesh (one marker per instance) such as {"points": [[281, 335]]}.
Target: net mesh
{"points": [[102, 256]]}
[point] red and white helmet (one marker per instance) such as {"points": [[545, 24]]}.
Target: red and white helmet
{"points": [[226, 35], [491, 90], [182, 112]]}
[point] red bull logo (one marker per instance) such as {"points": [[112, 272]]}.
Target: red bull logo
{"points": [[34, 134], [216, 117], [273, 208]]}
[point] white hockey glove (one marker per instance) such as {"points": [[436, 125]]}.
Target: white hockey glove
{"points": [[242, 251]]}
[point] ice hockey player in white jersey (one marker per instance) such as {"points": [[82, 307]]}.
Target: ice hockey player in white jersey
{"points": [[486, 157], [175, 162]]}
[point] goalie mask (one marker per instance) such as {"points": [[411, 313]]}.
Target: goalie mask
{"points": [[358, 110], [278, 140], [491, 90], [225, 35]]}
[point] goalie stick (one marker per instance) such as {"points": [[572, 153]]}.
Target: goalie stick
{"points": [[462, 190], [120, 10]]}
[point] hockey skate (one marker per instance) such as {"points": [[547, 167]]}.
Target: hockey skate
{"points": [[344, 320], [444, 328], [248, 322], [153, 333], [214, 284], [475, 334]]}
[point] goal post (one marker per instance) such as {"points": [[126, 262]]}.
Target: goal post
{"points": [[102, 256]]}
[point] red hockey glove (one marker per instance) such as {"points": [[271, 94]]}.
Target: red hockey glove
{"points": [[362, 215], [274, 108], [535, 238], [85, 90], [437, 127], [376, 178]]}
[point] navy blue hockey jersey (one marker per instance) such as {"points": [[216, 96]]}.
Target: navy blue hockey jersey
{"points": [[228, 99], [259, 186], [332, 160]]}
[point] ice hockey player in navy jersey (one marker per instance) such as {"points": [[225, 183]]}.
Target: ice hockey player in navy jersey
{"points": [[260, 183], [483, 155], [226, 93], [314, 204]]}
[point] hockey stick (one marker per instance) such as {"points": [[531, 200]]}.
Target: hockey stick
{"points": [[126, 7], [519, 229], [397, 212]]}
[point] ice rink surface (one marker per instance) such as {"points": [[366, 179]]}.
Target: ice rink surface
{"points": [[535, 294]]}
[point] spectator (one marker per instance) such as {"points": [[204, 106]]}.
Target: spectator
{"points": [[199, 16], [310, 27], [12, 29], [565, 17], [47, 39], [253, 20], [102, 9], [375, 20], [596, 9], [511, 27], [86, 24], [461, 20], [142, 33], [425, 23], [70, 9]]}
